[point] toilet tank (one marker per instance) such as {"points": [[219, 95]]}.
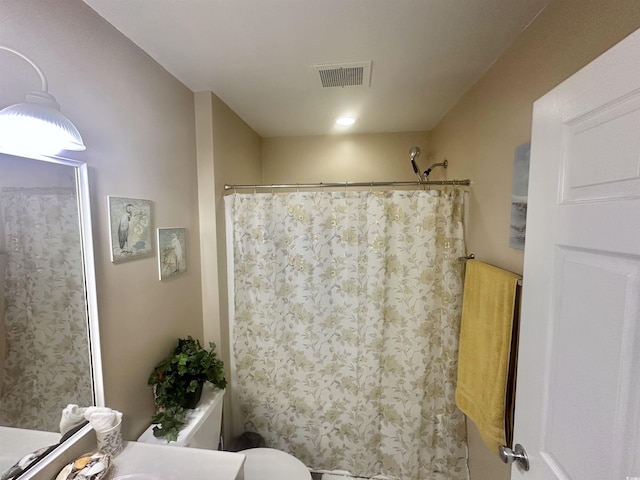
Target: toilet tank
{"points": [[202, 429]]}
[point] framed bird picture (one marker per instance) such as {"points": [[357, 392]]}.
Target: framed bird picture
{"points": [[130, 227], [172, 251]]}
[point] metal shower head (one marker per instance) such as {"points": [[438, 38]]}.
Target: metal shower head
{"points": [[415, 152]]}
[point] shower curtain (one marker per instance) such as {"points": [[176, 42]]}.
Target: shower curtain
{"points": [[345, 311], [47, 360]]}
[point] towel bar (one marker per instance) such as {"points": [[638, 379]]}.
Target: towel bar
{"points": [[471, 256]]}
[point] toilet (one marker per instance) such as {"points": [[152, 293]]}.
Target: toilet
{"points": [[203, 431], [272, 464]]}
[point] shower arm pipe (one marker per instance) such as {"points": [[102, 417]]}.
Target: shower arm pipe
{"points": [[464, 183], [444, 164]]}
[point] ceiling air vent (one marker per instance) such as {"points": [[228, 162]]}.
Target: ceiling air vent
{"points": [[344, 74]]}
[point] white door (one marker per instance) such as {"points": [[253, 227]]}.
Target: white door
{"points": [[578, 392]]}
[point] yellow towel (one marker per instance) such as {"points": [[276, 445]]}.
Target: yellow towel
{"points": [[488, 309]]}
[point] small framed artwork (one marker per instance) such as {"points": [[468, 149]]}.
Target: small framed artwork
{"points": [[130, 228], [172, 251]]}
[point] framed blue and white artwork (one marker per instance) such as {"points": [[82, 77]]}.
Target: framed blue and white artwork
{"points": [[129, 228], [172, 252]]}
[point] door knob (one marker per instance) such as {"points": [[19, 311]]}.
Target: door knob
{"points": [[518, 455]]}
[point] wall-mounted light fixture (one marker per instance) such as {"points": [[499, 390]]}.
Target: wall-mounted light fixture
{"points": [[37, 125]]}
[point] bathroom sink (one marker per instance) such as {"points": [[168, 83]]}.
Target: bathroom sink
{"points": [[143, 461]]}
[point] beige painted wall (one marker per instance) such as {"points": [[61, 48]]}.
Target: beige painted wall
{"points": [[339, 158], [228, 153], [138, 124], [479, 135]]}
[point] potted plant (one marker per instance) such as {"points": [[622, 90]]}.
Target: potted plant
{"points": [[177, 384]]}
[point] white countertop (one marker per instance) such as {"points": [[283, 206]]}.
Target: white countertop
{"points": [[15, 443], [163, 462]]}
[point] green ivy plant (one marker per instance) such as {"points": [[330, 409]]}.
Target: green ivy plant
{"points": [[177, 378]]}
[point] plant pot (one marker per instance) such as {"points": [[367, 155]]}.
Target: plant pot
{"points": [[193, 399]]}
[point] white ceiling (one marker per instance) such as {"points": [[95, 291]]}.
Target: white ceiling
{"points": [[257, 55]]}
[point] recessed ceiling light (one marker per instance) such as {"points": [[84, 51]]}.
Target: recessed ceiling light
{"points": [[345, 121]]}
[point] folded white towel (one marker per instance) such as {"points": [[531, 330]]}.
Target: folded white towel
{"points": [[100, 418], [72, 416]]}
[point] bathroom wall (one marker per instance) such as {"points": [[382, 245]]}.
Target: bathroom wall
{"points": [[340, 158], [479, 135], [228, 153], [139, 127]]}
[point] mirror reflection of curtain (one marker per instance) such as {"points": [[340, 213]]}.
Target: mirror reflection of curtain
{"points": [[345, 328], [3, 336], [47, 361]]}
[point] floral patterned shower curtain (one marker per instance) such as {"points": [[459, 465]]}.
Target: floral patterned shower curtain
{"points": [[47, 361], [345, 313]]}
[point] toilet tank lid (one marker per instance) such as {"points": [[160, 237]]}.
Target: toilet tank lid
{"points": [[211, 397]]}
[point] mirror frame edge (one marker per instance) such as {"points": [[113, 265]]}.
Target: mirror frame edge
{"points": [[84, 207], [81, 442]]}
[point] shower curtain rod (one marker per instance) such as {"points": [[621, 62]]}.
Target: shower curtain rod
{"points": [[465, 182]]}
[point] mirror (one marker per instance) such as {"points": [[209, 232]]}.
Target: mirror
{"points": [[49, 346]]}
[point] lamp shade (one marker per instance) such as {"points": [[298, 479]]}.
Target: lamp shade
{"points": [[38, 125]]}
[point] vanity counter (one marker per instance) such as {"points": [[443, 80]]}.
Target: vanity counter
{"points": [[163, 462], [137, 461]]}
